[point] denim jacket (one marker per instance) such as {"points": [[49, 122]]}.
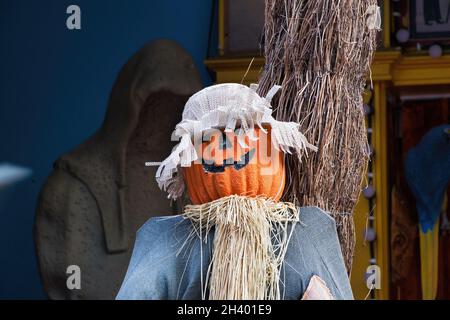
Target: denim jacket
{"points": [[162, 268]]}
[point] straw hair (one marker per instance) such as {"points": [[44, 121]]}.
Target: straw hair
{"points": [[251, 237], [320, 53]]}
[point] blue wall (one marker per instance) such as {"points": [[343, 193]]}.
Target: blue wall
{"points": [[54, 89]]}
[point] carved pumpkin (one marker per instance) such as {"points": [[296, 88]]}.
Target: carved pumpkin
{"points": [[227, 167]]}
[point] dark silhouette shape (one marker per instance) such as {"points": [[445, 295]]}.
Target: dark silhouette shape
{"points": [[99, 194], [432, 12]]}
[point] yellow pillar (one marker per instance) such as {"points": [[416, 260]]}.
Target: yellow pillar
{"points": [[380, 181]]}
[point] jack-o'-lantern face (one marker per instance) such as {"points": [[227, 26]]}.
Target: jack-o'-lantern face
{"points": [[227, 165]]}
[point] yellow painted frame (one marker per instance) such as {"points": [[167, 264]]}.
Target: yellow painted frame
{"points": [[380, 181]]}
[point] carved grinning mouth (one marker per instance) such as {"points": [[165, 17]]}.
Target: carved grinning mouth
{"points": [[241, 163]]}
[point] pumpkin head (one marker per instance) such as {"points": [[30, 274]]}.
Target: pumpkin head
{"points": [[230, 166], [227, 164]]}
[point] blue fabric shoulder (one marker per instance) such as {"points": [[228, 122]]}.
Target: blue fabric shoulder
{"points": [[166, 266], [314, 249], [154, 249]]}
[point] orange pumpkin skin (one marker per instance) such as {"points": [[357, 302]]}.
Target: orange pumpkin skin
{"points": [[263, 175]]}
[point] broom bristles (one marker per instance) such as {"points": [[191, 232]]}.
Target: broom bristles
{"points": [[320, 53]]}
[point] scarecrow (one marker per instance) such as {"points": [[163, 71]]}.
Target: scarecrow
{"points": [[236, 240]]}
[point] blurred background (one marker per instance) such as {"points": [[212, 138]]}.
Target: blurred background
{"points": [[54, 89], [55, 84]]}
